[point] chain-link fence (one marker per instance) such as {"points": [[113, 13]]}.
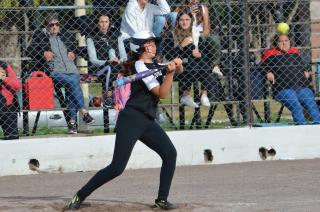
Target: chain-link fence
{"points": [[241, 66]]}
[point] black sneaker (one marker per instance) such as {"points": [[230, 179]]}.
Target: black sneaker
{"points": [[72, 127], [163, 205], [11, 137], [87, 118], [74, 203]]}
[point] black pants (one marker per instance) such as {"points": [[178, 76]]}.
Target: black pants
{"points": [[133, 125], [209, 82], [9, 124]]}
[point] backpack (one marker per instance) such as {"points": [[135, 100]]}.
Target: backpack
{"points": [[121, 95]]}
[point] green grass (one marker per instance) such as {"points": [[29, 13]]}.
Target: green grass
{"points": [[95, 89]]}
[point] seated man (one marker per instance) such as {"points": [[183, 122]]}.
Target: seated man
{"points": [[284, 67], [9, 106], [140, 15], [53, 50]]}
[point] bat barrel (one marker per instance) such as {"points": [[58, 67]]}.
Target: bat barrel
{"points": [[138, 76]]}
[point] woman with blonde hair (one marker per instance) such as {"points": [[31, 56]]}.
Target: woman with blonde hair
{"points": [[201, 24], [195, 56]]}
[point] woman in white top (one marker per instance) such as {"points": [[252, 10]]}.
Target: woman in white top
{"points": [[140, 15]]}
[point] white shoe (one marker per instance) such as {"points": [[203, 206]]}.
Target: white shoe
{"points": [[188, 101], [205, 100], [216, 70]]}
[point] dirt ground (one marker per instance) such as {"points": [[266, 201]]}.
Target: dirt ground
{"points": [[257, 186]]}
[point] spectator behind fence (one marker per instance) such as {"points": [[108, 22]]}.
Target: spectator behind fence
{"points": [[54, 48], [140, 15], [201, 24], [196, 63], [286, 70], [102, 52], [100, 48], [9, 106]]}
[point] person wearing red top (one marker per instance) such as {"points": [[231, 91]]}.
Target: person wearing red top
{"points": [[9, 106], [286, 70], [276, 51]]}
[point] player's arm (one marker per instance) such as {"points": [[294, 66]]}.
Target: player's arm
{"points": [[206, 21], [152, 83], [162, 91], [162, 8]]}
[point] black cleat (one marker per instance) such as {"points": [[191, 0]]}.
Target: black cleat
{"points": [[87, 118], [74, 203], [72, 128], [164, 205]]}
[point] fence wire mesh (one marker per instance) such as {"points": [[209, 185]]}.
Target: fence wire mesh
{"points": [[249, 62]]}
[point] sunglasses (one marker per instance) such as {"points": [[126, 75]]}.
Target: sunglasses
{"points": [[54, 24]]}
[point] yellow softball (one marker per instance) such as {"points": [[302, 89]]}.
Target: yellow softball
{"points": [[283, 28]]}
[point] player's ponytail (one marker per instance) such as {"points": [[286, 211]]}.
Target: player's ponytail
{"points": [[127, 67]]}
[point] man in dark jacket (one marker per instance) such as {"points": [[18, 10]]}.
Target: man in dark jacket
{"points": [[53, 50]]}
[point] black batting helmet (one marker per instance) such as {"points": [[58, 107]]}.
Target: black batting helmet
{"points": [[139, 39]]}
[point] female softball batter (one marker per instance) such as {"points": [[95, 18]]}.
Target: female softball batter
{"points": [[137, 122]]}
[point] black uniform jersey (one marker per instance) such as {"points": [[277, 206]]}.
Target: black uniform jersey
{"points": [[141, 97]]}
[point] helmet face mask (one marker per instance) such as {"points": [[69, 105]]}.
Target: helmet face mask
{"points": [[138, 40]]}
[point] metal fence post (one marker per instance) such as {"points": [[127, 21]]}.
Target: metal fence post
{"points": [[82, 63], [246, 67]]}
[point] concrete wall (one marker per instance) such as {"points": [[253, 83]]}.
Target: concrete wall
{"points": [[71, 154], [314, 9]]}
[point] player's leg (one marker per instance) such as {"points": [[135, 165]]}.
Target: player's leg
{"points": [[129, 128], [156, 139]]}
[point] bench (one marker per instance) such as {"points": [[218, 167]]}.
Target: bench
{"points": [[63, 106]]}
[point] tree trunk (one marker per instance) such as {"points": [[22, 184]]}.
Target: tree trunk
{"points": [[10, 48]]}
